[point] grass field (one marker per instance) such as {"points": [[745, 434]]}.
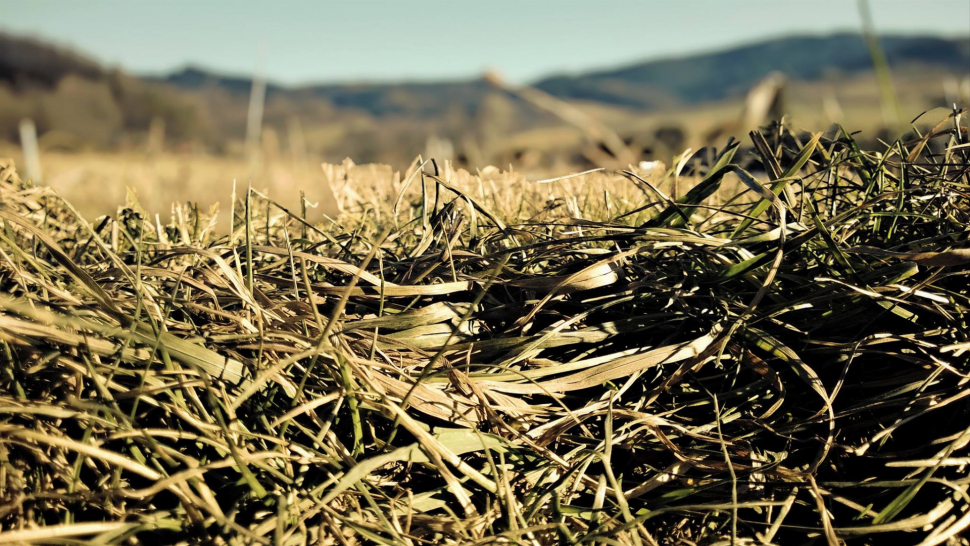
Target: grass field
{"points": [[163, 172], [772, 358]]}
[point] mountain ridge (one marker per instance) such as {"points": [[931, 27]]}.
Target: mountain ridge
{"points": [[689, 79], [676, 80], [104, 107], [714, 76]]}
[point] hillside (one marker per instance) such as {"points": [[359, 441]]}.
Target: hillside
{"points": [[688, 80], [378, 99], [26, 61], [77, 103], [719, 75]]}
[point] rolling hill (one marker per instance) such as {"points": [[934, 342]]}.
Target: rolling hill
{"points": [[66, 92], [687, 80], [719, 75]]}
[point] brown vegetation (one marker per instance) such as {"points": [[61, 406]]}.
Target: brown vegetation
{"points": [[481, 359]]}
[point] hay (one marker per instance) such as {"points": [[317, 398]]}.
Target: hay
{"points": [[487, 360]]}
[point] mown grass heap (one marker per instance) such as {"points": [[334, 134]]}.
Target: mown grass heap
{"points": [[788, 367]]}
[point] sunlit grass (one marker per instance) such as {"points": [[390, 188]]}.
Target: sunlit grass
{"points": [[780, 355]]}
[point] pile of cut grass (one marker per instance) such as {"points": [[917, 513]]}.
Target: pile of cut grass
{"points": [[789, 367]]}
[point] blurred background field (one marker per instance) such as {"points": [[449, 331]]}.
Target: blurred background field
{"points": [[188, 132]]}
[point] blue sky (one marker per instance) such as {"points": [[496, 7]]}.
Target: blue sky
{"points": [[325, 41]]}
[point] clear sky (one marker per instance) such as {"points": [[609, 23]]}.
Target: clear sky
{"points": [[326, 41]]}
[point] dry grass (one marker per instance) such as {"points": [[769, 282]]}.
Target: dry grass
{"points": [[490, 360], [97, 183]]}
